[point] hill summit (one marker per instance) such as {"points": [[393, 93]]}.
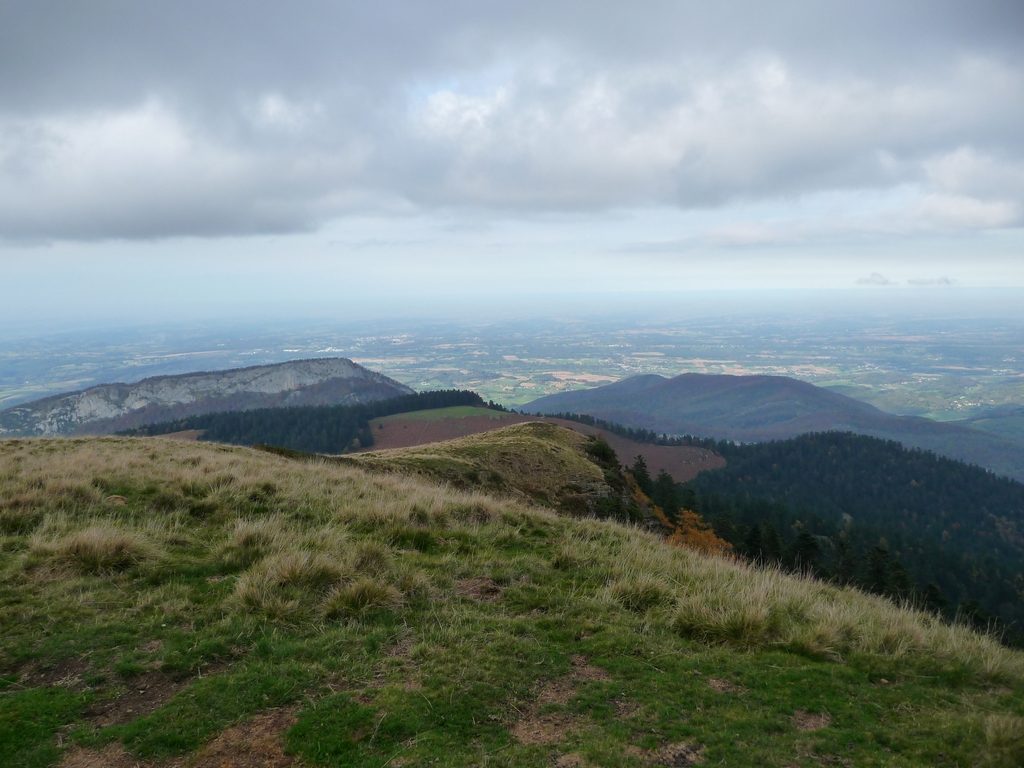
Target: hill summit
{"points": [[110, 408]]}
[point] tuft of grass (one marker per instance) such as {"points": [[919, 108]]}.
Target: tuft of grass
{"points": [[360, 599], [1004, 736], [372, 558], [252, 539], [18, 521], [102, 549], [286, 584], [415, 586], [639, 592]]}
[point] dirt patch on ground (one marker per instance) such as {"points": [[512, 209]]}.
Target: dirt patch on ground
{"points": [[480, 588], [584, 671], [111, 756], [571, 760], [811, 721], [679, 755], [536, 727], [256, 743], [402, 647], [562, 689], [66, 673], [625, 709], [142, 695], [394, 660], [724, 686], [544, 729]]}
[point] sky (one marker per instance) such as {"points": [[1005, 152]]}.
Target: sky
{"points": [[173, 159]]}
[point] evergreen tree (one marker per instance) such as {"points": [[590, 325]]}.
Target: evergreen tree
{"points": [[753, 547], [642, 475], [877, 578], [663, 493], [933, 599], [805, 553], [771, 545], [846, 560]]}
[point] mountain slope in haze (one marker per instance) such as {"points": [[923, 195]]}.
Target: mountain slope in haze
{"points": [[1007, 421], [113, 407], [760, 408], [170, 603]]}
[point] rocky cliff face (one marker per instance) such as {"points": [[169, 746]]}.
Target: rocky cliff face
{"points": [[112, 407]]}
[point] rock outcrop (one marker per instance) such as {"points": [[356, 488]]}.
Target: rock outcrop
{"points": [[109, 408]]}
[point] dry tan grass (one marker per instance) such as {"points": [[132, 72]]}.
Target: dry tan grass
{"points": [[98, 549], [361, 597], [1004, 736], [291, 526]]}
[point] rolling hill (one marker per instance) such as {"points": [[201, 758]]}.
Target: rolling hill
{"points": [[534, 461], [1007, 421], [109, 408], [186, 604], [404, 430], [760, 408]]}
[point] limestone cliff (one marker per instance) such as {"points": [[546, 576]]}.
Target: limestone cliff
{"points": [[111, 407]]}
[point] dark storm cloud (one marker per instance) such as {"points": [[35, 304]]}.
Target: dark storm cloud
{"points": [[142, 120]]}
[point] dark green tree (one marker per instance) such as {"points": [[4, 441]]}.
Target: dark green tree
{"points": [[664, 495], [805, 553], [642, 475]]}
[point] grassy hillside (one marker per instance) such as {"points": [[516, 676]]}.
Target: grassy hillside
{"points": [[166, 603], [535, 461], [404, 430]]}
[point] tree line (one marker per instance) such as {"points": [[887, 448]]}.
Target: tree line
{"points": [[860, 511], [314, 429]]}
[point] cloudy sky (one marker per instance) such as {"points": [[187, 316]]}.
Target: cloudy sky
{"points": [[175, 156]]}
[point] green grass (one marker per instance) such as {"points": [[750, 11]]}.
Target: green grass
{"points": [[29, 721], [403, 623], [533, 461]]}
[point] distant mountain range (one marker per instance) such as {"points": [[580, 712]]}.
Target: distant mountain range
{"points": [[112, 407], [761, 408]]}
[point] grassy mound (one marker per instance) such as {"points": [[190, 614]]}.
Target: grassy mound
{"points": [[166, 603], [534, 461]]}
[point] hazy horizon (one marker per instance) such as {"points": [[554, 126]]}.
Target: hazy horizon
{"points": [[165, 162]]}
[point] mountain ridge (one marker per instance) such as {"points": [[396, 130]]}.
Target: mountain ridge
{"points": [[761, 408], [116, 406]]}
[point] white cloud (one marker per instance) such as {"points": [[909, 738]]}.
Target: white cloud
{"points": [[145, 172], [875, 278], [300, 120], [952, 212]]}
